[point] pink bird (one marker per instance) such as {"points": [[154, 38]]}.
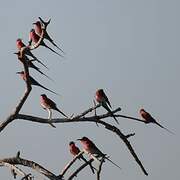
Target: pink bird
{"points": [[149, 119], [33, 37], [30, 63], [20, 44], [38, 29], [33, 81], [74, 150], [104, 101], [92, 149], [48, 105]]}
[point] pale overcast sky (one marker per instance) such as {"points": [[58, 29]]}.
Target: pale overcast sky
{"points": [[130, 49]]}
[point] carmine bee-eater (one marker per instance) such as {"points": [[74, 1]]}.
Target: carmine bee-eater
{"points": [[30, 63], [104, 101], [48, 105], [149, 119], [90, 148], [38, 30], [74, 150], [20, 44], [33, 37], [33, 81]]}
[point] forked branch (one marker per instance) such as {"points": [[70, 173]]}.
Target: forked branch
{"points": [[11, 162]]}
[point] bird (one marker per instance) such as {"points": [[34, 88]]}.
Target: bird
{"points": [[149, 119], [48, 104], [104, 101], [29, 62], [74, 150], [90, 148], [38, 30], [33, 81], [27, 51], [34, 38]]}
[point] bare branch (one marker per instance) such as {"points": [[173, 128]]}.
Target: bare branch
{"points": [[74, 174], [96, 119], [13, 168], [130, 117], [71, 163], [18, 107], [100, 168], [33, 165], [87, 111]]}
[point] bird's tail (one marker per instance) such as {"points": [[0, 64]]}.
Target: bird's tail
{"points": [[108, 109], [44, 22], [52, 41], [57, 46], [163, 127], [29, 53], [61, 113], [41, 63], [43, 44], [51, 124], [106, 157], [44, 74], [47, 89]]}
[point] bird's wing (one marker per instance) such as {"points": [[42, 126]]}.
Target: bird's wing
{"points": [[106, 99]]}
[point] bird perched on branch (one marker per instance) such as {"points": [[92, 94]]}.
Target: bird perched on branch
{"points": [[149, 119], [27, 51], [74, 150], [33, 81], [90, 148], [38, 29], [104, 101], [23, 58], [48, 105], [34, 38]]}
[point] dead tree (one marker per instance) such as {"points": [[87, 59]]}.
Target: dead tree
{"points": [[83, 117]]}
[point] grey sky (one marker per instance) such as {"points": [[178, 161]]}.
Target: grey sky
{"points": [[129, 48]]}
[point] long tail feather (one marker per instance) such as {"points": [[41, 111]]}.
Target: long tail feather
{"points": [[46, 36], [38, 84], [163, 127], [43, 44], [62, 113], [113, 162], [44, 74], [29, 53], [42, 63], [107, 108]]}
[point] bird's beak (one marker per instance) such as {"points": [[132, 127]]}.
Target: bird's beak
{"points": [[15, 53], [18, 72], [33, 23], [78, 139]]}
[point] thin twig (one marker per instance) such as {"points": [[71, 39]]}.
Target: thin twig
{"points": [[96, 119], [100, 168], [87, 111], [74, 174], [69, 164], [130, 117], [31, 164], [13, 168]]}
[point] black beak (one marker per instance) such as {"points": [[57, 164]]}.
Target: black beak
{"points": [[78, 139], [18, 72]]}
